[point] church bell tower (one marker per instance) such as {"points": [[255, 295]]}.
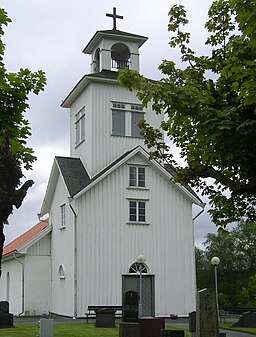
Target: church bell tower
{"points": [[114, 49], [103, 115]]}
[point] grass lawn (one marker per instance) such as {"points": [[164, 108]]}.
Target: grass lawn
{"points": [[60, 330], [65, 330], [84, 330]]}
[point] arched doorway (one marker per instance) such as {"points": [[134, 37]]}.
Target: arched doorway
{"points": [[131, 281]]}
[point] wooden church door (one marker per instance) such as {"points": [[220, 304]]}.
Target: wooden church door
{"points": [[132, 282]]}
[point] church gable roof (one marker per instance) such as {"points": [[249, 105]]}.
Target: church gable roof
{"points": [[74, 174], [78, 181], [23, 239], [168, 173]]}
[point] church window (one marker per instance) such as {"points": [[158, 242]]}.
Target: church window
{"points": [[118, 120], [125, 118], [136, 176], [137, 211], [61, 272], [135, 118], [63, 215], [137, 267], [80, 126]]}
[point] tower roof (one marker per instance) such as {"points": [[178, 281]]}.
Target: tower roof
{"points": [[115, 35]]}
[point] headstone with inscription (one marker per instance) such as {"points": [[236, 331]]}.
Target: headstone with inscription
{"points": [[129, 327], [6, 319], [206, 314], [130, 306]]}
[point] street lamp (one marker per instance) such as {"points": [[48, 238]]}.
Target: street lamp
{"points": [[140, 260], [215, 261]]}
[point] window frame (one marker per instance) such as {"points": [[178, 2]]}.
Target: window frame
{"points": [[61, 272], [130, 111], [63, 215], [134, 177], [80, 126], [138, 211]]}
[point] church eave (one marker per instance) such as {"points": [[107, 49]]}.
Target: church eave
{"points": [[23, 249], [190, 194], [82, 84], [115, 35]]}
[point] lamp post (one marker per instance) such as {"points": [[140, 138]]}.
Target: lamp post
{"points": [[215, 261], [140, 260]]}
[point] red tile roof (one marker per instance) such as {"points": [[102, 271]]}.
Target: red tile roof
{"points": [[19, 241]]}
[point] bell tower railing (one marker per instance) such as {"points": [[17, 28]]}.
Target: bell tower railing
{"points": [[120, 64]]}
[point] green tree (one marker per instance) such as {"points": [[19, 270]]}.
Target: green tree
{"points": [[249, 293], [237, 253], [15, 155], [210, 109], [203, 270]]}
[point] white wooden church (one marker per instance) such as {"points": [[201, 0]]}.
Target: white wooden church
{"points": [[106, 204]]}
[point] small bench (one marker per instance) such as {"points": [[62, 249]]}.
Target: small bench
{"points": [[91, 310]]}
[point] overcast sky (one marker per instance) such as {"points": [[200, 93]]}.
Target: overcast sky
{"points": [[50, 35]]}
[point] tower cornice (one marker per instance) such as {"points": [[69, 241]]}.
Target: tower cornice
{"points": [[115, 35]]}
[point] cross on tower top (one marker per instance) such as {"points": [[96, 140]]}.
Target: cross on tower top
{"points": [[114, 16]]}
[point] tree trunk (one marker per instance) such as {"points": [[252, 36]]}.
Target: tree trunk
{"points": [[2, 238]]}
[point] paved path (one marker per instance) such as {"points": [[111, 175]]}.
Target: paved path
{"points": [[183, 323]]}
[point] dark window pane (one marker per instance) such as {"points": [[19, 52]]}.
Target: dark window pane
{"points": [[82, 127], [141, 176], [132, 178], [135, 118], [142, 211], [118, 123], [133, 208]]}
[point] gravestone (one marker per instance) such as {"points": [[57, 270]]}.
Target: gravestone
{"points": [[192, 324], [6, 319], [151, 326], [129, 327], [46, 327], [130, 306], [247, 320], [105, 318], [206, 314]]}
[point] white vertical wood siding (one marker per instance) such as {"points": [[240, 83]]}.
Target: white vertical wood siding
{"points": [[37, 285], [107, 245], [15, 286], [37, 280], [100, 148], [62, 248]]}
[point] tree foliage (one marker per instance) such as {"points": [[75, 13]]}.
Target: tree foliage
{"points": [[249, 292], [210, 108], [15, 155], [237, 252]]}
